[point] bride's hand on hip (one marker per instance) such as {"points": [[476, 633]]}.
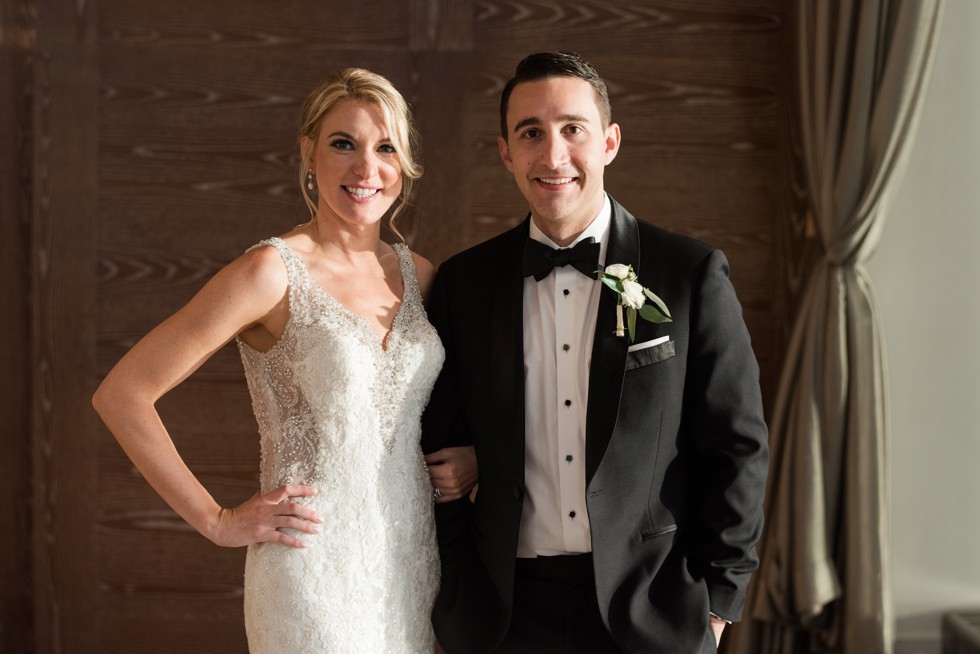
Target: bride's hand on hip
{"points": [[262, 518]]}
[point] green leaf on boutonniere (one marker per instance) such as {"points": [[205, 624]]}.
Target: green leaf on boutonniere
{"points": [[661, 307], [648, 313], [612, 283], [631, 322]]}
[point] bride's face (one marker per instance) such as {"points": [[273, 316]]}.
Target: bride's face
{"points": [[358, 174]]}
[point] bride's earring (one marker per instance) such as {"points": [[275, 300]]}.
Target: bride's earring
{"points": [[309, 180]]}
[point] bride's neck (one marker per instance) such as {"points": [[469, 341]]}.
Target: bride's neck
{"points": [[354, 244]]}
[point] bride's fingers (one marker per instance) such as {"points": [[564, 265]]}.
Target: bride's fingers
{"points": [[289, 490], [446, 479], [452, 488], [449, 485], [284, 538], [298, 510], [289, 522]]}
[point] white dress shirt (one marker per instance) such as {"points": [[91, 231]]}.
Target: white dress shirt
{"points": [[559, 328]]}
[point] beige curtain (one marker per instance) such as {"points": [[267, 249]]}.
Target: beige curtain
{"points": [[823, 582]]}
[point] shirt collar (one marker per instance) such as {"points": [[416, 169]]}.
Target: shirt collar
{"points": [[597, 229]]}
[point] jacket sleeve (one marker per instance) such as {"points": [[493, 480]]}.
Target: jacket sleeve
{"points": [[444, 423], [724, 414]]}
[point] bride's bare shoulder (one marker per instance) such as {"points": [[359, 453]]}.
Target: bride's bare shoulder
{"points": [[425, 272]]}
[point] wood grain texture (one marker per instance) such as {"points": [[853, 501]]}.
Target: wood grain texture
{"points": [[441, 26], [444, 198], [16, 582], [253, 24], [648, 28], [63, 317], [165, 145]]}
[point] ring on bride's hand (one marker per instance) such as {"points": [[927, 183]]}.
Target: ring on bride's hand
{"points": [[436, 493]]}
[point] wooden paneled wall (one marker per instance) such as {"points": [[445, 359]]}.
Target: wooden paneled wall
{"points": [[144, 145], [16, 60]]}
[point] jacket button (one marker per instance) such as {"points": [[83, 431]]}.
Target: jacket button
{"points": [[518, 493]]}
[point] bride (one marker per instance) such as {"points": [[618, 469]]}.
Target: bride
{"points": [[340, 361]]}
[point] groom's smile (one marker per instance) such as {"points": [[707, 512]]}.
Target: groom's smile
{"points": [[556, 181]]}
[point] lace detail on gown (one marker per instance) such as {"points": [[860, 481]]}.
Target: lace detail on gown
{"points": [[339, 412]]}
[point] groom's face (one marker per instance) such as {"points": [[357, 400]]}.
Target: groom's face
{"points": [[557, 148]]}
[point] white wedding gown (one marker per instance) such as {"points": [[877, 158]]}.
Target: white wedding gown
{"points": [[338, 412]]}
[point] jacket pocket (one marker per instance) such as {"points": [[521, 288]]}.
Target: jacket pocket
{"points": [[660, 531], [650, 355]]}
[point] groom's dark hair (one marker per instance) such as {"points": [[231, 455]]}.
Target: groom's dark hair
{"points": [[542, 65]]}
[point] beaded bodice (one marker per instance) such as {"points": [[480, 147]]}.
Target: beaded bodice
{"points": [[338, 411]]}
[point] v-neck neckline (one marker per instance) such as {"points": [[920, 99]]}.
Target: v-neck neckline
{"points": [[384, 344]]}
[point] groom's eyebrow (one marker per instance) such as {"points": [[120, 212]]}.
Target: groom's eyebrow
{"points": [[521, 124], [564, 118]]}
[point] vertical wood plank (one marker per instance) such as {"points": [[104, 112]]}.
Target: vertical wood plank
{"points": [[441, 224], [442, 41], [16, 51], [441, 26], [63, 326]]}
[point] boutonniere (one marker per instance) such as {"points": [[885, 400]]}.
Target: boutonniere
{"points": [[622, 280]]}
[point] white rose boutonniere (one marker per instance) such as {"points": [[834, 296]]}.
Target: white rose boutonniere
{"points": [[617, 270], [632, 295], [622, 280]]}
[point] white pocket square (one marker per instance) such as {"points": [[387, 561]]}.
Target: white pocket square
{"points": [[646, 344]]}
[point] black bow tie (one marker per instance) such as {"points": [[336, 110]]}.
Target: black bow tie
{"points": [[539, 259]]}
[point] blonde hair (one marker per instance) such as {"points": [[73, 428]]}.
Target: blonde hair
{"points": [[365, 86]]}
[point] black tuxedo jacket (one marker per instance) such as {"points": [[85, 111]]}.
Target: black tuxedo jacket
{"points": [[676, 446]]}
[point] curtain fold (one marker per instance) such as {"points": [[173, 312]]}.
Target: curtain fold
{"points": [[823, 582]]}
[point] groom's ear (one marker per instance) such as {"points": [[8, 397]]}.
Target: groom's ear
{"points": [[613, 139], [505, 153]]}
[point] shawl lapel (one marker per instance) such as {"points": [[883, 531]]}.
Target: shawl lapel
{"points": [[608, 365]]}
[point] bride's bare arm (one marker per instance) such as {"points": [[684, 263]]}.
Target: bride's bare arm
{"points": [[248, 297]]}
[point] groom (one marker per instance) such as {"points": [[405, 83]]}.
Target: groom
{"points": [[621, 483]]}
